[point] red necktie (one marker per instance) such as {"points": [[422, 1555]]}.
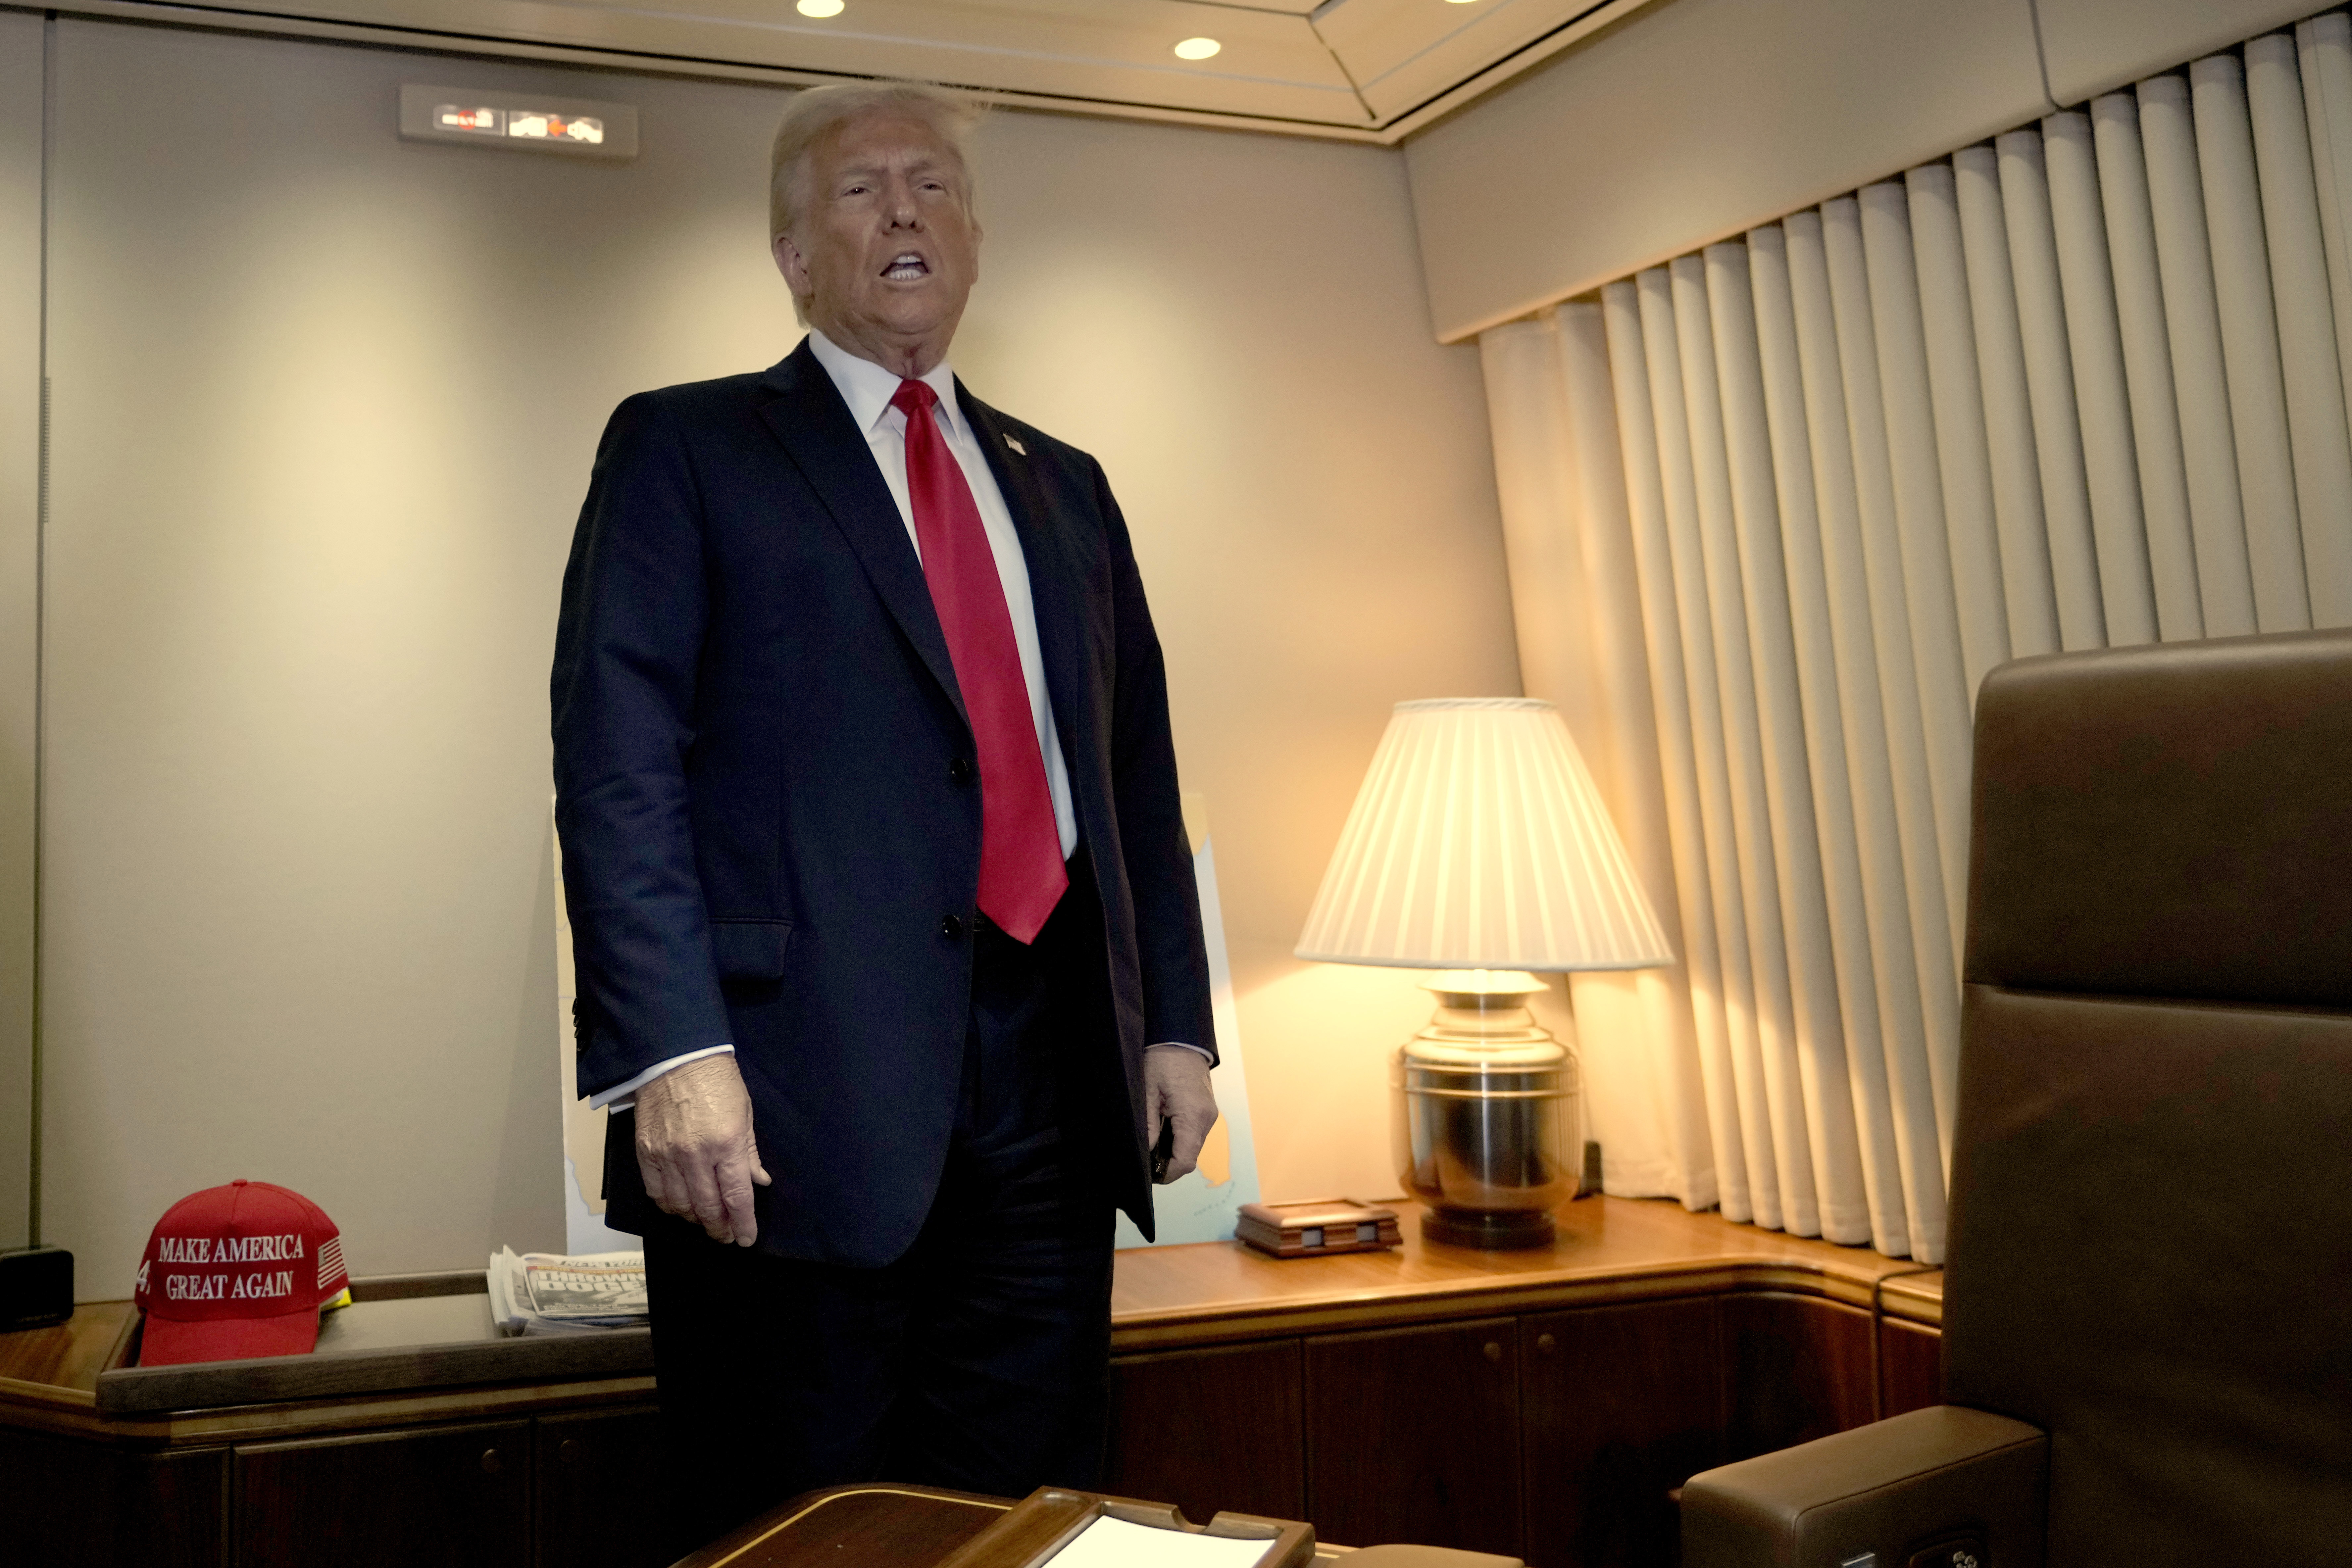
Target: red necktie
{"points": [[1021, 871]]}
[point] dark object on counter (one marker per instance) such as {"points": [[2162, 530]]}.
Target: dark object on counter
{"points": [[35, 1287]]}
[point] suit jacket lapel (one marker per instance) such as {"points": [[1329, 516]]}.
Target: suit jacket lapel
{"points": [[806, 414], [1054, 589]]}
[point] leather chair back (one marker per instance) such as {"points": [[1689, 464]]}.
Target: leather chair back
{"points": [[2151, 1243]]}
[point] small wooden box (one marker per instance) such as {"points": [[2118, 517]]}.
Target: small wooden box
{"points": [[1315, 1228]]}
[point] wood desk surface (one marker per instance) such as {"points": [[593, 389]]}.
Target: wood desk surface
{"points": [[1608, 1250]]}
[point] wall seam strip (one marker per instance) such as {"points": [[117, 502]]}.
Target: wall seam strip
{"points": [[40, 623], [2040, 52], [1354, 86]]}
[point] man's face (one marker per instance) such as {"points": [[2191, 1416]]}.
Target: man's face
{"points": [[887, 251]]}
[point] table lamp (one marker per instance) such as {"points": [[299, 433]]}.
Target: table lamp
{"points": [[1479, 847]]}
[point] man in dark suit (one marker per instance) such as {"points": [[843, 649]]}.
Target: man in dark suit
{"points": [[889, 952]]}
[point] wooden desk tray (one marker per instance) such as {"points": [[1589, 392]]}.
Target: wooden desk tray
{"points": [[1050, 1518], [402, 1332], [923, 1526]]}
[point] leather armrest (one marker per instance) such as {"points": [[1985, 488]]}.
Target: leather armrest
{"points": [[1891, 1488]]}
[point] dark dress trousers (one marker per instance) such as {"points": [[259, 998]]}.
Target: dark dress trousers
{"points": [[771, 821], [979, 1359]]}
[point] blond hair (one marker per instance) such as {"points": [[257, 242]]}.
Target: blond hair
{"points": [[817, 111]]}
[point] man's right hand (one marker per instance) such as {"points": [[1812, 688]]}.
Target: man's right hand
{"points": [[695, 1147]]}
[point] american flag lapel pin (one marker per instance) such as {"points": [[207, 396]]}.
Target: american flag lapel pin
{"points": [[1016, 447]]}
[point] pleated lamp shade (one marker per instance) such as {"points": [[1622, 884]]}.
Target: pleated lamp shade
{"points": [[1479, 843]]}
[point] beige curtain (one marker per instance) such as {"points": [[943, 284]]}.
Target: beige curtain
{"points": [[1774, 509]]}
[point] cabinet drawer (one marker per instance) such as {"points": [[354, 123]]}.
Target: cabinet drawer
{"points": [[448, 1496], [1211, 1430], [1910, 1367], [1622, 1406], [1412, 1435], [602, 1490], [1795, 1368], [65, 1503]]}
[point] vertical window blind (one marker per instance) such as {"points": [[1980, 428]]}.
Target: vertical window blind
{"points": [[1774, 508]]}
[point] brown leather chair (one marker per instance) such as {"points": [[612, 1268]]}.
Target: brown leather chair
{"points": [[2148, 1320]]}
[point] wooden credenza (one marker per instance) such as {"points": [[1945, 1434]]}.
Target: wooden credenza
{"points": [[1543, 1404], [514, 1473]]}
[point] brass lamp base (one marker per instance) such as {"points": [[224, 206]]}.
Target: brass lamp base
{"points": [[1485, 1105], [1494, 1232]]}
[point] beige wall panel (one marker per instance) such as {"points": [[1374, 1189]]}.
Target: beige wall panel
{"points": [[2095, 46], [20, 443], [327, 403], [1695, 119]]}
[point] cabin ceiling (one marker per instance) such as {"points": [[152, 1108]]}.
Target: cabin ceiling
{"points": [[1356, 69]]}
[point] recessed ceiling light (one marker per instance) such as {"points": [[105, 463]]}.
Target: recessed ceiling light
{"points": [[1197, 49], [820, 7]]}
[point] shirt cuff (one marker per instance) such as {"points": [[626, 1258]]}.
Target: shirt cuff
{"points": [[1184, 1045], [623, 1097]]}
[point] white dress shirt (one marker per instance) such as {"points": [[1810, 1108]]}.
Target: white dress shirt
{"points": [[867, 388]]}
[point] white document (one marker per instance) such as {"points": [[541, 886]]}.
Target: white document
{"points": [[1115, 1544]]}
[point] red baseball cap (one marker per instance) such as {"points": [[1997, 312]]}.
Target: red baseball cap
{"points": [[235, 1271]]}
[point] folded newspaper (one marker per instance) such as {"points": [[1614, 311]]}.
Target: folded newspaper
{"points": [[540, 1292]]}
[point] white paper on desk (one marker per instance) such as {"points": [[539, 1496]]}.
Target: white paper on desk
{"points": [[1115, 1544]]}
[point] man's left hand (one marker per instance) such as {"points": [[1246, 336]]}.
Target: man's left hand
{"points": [[1176, 1085]]}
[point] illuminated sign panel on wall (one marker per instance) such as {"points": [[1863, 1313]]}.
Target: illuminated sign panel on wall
{"points": [[517, 121], [579, 128], [450, 117]]}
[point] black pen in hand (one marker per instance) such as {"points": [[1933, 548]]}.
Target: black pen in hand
{"points": [[1164, 1151]]}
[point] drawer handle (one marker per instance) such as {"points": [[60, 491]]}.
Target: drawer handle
{"points": [[1494, 1351], [492, 1461], [1546, 1344], [567, 1451]]}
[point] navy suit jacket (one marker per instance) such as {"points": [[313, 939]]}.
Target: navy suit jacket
{"points": [[770, 829]]}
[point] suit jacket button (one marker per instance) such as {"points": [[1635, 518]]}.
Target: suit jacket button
{"points": [[960, 771], [951, 926]]}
